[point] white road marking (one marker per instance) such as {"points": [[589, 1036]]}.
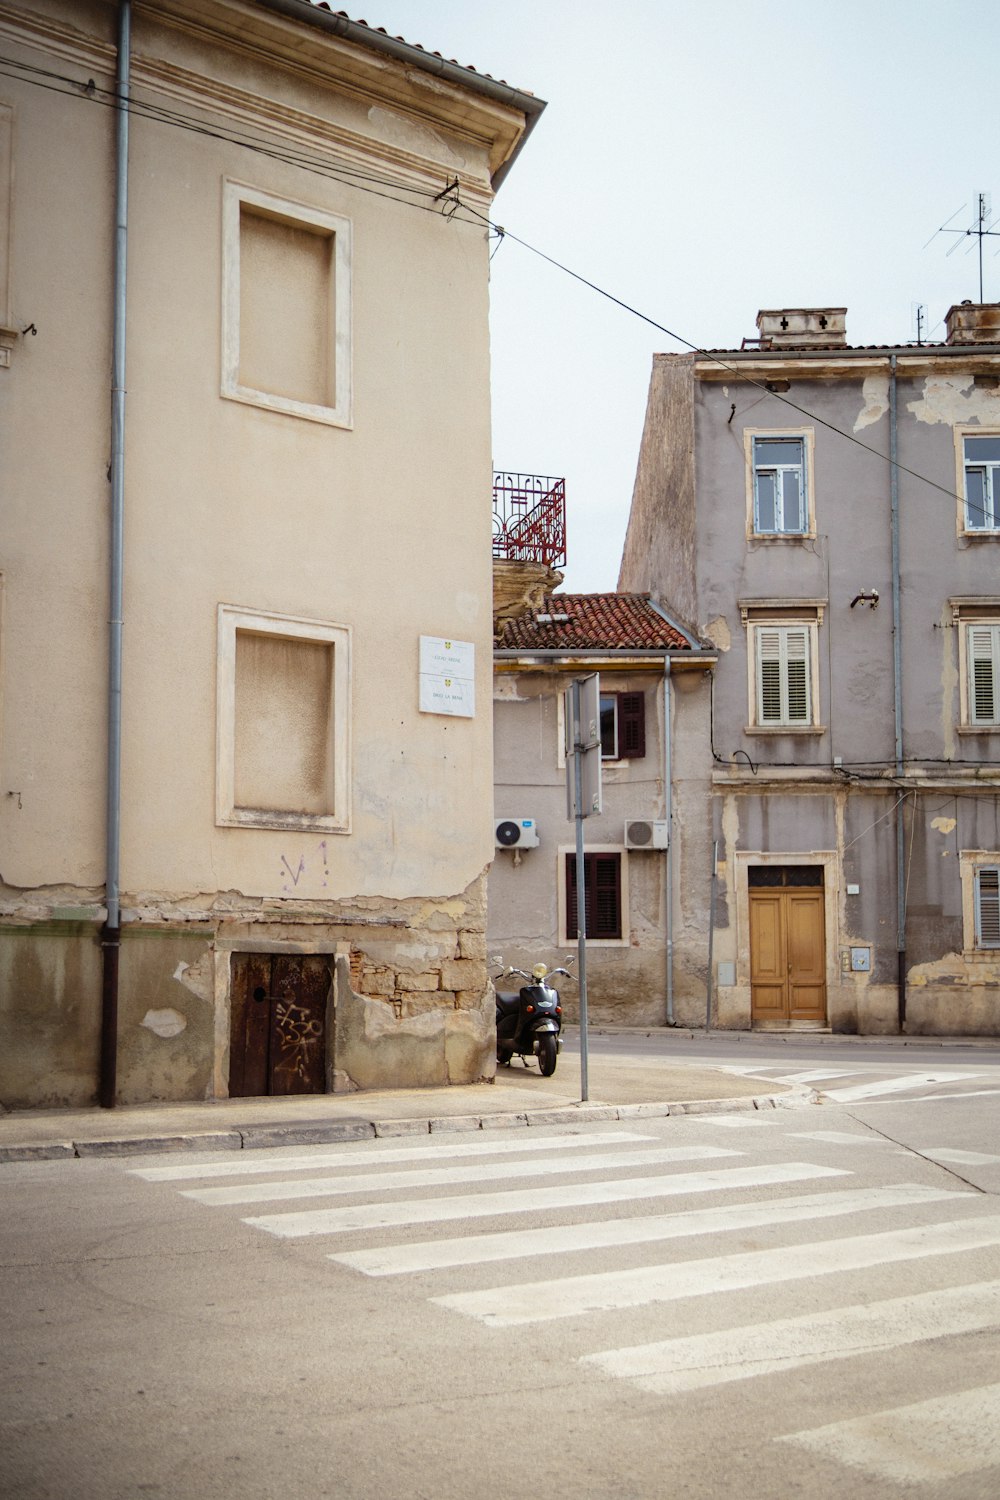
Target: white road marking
{"points": [[858, 1091], [672, 1366], [390, 1182], [840, 1138], [534, 1200], [739, 1122], [253, 1163], [931, 1441], [434, 1255], [815, 1075], [969, 1094], [959, 1158], [609, 1291]]}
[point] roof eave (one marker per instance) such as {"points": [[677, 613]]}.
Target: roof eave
{"points": [[529, 105]]}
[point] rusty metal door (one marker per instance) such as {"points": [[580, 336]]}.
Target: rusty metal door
{"points": [[787, 946], [278, 1037]]}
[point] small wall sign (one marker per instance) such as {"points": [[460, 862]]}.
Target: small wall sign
{"points": [[861, 960], [447, 677]]}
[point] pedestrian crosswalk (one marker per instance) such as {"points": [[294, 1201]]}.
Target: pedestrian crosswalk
{"points": [[592, 1225], [870, 1083]]}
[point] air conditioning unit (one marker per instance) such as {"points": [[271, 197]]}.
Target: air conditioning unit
{"points": [[516, 833], [647, 834]]}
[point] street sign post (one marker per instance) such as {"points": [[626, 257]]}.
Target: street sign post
{"points": [[583, 795]]}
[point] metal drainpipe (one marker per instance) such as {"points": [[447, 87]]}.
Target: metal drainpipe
{"points": [[669, 873], [897, 696], [111, 933]]}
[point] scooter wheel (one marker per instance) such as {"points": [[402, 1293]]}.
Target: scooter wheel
{"points": [[504, 1056], [547, 1054]]}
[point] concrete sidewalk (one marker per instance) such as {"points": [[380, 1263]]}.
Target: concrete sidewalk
{"points": [[618, 1089]]}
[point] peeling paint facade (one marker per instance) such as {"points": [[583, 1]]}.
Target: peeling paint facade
{"points": [[854, 883], [300, 354], [531, 903]]}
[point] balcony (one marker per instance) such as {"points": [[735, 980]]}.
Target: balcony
{"points": [[529, 518]]}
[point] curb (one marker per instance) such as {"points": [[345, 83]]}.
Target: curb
{"points": [[324, 1132]]}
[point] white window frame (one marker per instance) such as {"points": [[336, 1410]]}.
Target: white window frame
{"points": [[303, 216], [982, 650], [231, 619], [991, 484], [981, 917], [785, 623], [987, 905], [804, 435], [977, 622]]}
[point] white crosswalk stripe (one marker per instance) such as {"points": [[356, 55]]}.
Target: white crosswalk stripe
{"points": [[394, 1260], [873, 1082], [256, 1164], [688, 1364], [854, 1093], [389, 1182], [608, 1291], [534, 1200], [940, 1439]]}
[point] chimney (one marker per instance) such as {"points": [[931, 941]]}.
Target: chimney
{"points": [[973, 323], [803, 328]]}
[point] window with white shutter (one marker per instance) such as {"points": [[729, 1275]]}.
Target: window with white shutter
{"points": [[987, 900], [783, 674], [983, 659]]}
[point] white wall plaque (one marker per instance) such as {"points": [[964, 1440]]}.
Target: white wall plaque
{"points": [[447, 677]]}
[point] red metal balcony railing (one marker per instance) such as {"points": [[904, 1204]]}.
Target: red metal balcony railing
{"points": [[529, 518]]}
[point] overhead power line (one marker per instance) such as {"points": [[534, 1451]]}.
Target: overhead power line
{"points": [[448, 204]]}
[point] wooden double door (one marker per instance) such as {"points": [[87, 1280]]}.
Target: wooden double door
{"points": [[279, 1024], [787, 946]]}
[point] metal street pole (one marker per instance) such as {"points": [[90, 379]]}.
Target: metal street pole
{"points": [[581, 894]]}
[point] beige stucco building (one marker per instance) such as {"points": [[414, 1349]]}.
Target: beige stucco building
{"points": [[297, 852], [829, 517]]}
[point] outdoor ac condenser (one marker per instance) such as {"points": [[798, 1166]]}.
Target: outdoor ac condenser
{"points": [[647, 834], [516, 833]]}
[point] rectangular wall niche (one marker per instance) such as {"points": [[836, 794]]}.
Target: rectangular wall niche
{"points": [[286, 337], [283, 722], [286, 320]]}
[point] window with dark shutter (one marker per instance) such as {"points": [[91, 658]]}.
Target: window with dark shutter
{"points": [[623, 726], [602, 895], [631, 725]]}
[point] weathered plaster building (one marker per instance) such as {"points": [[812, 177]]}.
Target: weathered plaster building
{"points": [[638, 851], [283, 887], [829, 517]]}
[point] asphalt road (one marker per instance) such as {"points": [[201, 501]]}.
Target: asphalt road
{"points": [[800, 1302]]}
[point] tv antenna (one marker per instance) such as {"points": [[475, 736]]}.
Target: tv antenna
{"points": [[983, 228], [918, 313]]}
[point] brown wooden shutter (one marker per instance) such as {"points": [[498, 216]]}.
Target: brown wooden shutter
{"points": [[602, 888], [631, 726]]}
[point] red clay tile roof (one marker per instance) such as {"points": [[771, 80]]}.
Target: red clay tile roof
{"points": [[418, 46], [596, 622]]}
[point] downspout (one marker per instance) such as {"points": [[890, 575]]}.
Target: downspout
{"points": [[897, 703], [669, 870], [111, 932]]}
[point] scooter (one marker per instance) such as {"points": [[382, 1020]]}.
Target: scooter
{"points": [[529, 1020]]}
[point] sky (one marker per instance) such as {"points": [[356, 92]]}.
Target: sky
{"points": [[700, 160]]}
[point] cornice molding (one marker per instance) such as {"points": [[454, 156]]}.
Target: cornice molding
{"points": [[298, 128], [269, 39], [909, 364], [57, 40]]}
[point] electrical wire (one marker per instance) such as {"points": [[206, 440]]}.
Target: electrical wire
{"points": [[450, 206]]}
